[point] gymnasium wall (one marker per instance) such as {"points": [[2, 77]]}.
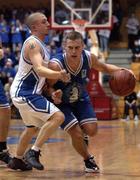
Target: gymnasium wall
{"points": [[40, 3], [24, 3]]}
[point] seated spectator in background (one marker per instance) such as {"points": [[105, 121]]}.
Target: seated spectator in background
{"points": [[8, 68], [7, 88], [138, 100], [3, 77], [7, 54], [16, 36], [136, 51], [130, 102], [4, 33]]}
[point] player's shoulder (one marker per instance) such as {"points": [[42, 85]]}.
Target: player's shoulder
{"points": [[58, 57], [31, 42], [86, 52]]}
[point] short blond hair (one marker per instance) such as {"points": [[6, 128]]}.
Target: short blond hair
{"points": [[32, 18], [73, 35]]}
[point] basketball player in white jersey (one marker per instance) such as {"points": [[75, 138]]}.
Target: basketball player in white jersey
{"points": [[5, 115], [36, 111]]}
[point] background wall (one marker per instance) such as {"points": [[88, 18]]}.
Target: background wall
{"points": [[25, 3]]}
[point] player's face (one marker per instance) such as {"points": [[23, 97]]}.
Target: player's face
{"points": [[42, 25], [74, 48]]}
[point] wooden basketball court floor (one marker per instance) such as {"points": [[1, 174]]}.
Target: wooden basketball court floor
{"points": [[116, 148]]}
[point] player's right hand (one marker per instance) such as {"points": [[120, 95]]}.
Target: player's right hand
{"points": [[65, 77], [57, 96]]}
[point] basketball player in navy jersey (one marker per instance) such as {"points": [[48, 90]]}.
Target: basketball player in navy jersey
{"points": [[5, 116], [36, 111], [74, 102]]}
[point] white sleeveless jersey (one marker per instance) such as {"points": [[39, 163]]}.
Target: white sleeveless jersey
{"points": [[27, 81]]}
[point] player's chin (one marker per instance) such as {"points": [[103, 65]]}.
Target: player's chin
{"points": [[74, 56], [46, 33], [57, 102]]}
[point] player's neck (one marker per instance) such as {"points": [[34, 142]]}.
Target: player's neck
{"points": [[40, 37], [73, 60], [73, 63]]}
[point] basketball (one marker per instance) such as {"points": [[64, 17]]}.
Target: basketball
{"points": [[122, 82]]}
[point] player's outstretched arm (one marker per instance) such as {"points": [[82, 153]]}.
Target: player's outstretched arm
{"points": [[103, 67]]}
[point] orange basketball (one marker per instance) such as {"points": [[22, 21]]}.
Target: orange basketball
{"points": [[122, 82]]}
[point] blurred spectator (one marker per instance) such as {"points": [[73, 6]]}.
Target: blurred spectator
{"points": [[104, 35], [138, 99], [16, 36], [133, 27], [4, 31], [8, 69], [136, 51], [3, 77], [115, 32], [7, 54], [7, 88], [117, 21], [61, 15], [130, 102], [117, 11]]}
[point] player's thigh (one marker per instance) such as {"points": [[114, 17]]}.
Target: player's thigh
{"points": [[36, 111], [90, 128], [85, 113], [86, 117], [70, 119]]}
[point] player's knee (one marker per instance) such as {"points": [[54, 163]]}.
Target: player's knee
{"points": [[60, 117], [92, 129], [30, 131], [76, 132]]}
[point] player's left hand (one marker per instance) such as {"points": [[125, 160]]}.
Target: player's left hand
{"points": [[130, 71], [57, 96]]}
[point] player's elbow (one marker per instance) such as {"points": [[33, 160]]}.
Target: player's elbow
{"points": [[39, 71]]}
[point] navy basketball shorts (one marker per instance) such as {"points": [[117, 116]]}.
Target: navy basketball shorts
{"points": [[80, 112]]}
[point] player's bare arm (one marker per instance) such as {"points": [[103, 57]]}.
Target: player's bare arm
{"points": [[33, 52], [48, 88], [55, 67], [107, 68], [100, 66]]}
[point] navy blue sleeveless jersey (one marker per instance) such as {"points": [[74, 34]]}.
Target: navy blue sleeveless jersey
{"points": [[76, 89], [76, 104]]}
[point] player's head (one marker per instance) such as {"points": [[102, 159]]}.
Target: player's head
{"points": [[73, 44], [73, 35], [37, 22]]}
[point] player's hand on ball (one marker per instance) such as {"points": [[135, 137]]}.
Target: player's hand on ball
{"points": [[130, 71], [65, 77], [57, 96]]}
